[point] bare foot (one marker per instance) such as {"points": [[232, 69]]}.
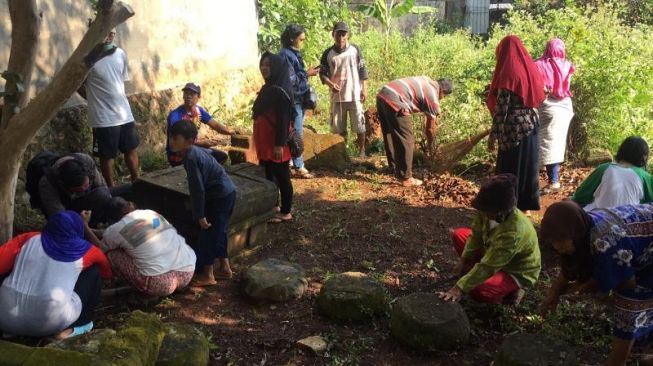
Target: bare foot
{"points": [[224, 274], [280, 218], [64, 334], [201, 281], [411, 182]]}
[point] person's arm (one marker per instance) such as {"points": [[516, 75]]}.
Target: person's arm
{"points": [[558, 288], [430, 130], [325, 73], [95, 256], [82, 89], [474, 242], [362, 73], [584, 195], [10, 250], [499, 118], [89, 234], [325, 68], [647, 182], [50, 200], [196, 188], [284, 115], [220, 127], [497, 256]]}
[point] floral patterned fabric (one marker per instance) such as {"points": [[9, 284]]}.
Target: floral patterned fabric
{"points": [[512, 121], [622, 249]]}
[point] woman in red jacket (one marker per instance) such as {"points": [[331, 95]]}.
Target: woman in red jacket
{"points": [[273, 113]]}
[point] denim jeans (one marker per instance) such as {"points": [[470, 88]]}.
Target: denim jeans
{"points": [[298, 125], [553, 171]]}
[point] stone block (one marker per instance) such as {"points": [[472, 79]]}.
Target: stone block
{"points": [[523, 349], [166, 191], [137, 341], [352, 296], [426, 323], [14, 354], [325, 151], [86, 343], [274, 280], [183, 345]]}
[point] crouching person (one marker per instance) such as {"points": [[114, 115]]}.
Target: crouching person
{"points": [[145, 250], [54, 280], [607, 252], [499, 255]]}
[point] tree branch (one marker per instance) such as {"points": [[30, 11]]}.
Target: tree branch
{"points": [[67, 80], [25, 29]]}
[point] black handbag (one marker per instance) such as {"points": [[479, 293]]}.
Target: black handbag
{"points": [[310, 99], [295, 144]]}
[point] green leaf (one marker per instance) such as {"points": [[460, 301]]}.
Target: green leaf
{"points": [[423, 10], [402, 8]]}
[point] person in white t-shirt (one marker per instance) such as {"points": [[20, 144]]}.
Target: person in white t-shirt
{"points": [[343, 70], [146, 250], [109, 113]]}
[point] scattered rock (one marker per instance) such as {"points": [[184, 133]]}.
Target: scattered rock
{"points": [[523, 349], [426, 323], [314, 343], [275, 280], [596, 156], [183, 345], [325, 151], [352, 296]]}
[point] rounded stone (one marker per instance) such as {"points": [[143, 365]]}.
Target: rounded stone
{"points": [[424, 322], [352, 296], [523, 349], [183, 345], [274, 280]]}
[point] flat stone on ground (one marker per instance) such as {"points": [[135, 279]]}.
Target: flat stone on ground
{"points": [[274, 280], [315, 343], [424, 322], [523, 349], [352, 296]]}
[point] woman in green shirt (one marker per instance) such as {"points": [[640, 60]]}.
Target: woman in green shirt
{"points": [[625, 182], [499, 255]]}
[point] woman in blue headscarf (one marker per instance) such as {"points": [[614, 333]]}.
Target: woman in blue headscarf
{"points": [[53, 280]]}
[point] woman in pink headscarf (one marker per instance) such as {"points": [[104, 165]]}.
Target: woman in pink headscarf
{"points": [[557, 110]]}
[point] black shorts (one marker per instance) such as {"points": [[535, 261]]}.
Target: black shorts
{"points": [[107, 141]]}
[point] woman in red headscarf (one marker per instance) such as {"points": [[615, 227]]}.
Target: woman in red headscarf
{"points": [[517, 90], [557, 110]]}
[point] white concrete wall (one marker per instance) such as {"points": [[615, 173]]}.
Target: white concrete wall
{"points": [[168, 42]]}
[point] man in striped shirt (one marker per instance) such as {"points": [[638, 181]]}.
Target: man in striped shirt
{"points": [[395, 103]]}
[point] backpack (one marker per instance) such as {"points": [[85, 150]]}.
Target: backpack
{"points": [[36, 169]]}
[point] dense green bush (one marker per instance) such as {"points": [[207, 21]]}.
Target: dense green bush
{"points": [[318, 16], [613, 87]]}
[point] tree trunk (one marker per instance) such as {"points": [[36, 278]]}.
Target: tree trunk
{"points": [[21, 128], [26, 26]]}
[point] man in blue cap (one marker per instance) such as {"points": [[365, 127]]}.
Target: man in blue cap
{"points": [[193, 112]]}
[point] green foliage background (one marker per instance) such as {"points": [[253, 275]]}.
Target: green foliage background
{"points": [[613, 86]]}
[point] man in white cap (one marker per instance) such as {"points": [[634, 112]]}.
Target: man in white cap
{"points": [[109, 113]]}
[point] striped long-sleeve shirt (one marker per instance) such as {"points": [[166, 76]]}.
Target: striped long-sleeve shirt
{"points": [[412, 95]]}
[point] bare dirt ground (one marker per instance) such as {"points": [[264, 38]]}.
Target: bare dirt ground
{"points": [[364, 221]]}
